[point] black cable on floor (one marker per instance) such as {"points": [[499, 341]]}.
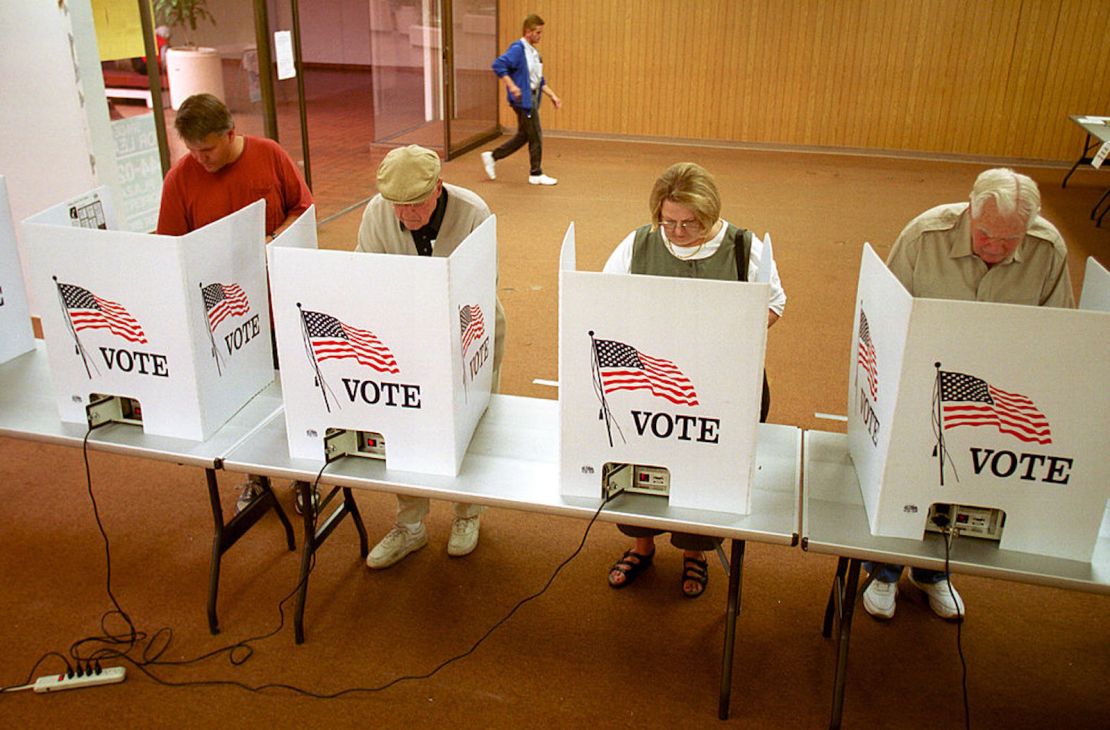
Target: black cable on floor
{"points": [[948, 533], [407, 677]]}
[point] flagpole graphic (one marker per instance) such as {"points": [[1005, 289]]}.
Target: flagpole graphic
{"points": [[939, 449], [208, 321], [320, 382], [77, 346], [599, 390]]}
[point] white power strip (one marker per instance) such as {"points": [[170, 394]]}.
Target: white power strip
{"points": [[58, 682]]}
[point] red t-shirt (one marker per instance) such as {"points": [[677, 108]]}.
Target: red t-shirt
{"points": [[192, 197]]}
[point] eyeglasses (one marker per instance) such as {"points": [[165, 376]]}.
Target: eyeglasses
{"points": [[692, 227]]}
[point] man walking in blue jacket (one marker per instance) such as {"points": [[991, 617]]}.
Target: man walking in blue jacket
{"points": [[521, 70]]}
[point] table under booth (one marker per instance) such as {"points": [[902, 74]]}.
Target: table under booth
{"points": [[536, 455]]}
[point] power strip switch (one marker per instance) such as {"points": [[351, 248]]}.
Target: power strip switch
{"points": [[58, 682]]}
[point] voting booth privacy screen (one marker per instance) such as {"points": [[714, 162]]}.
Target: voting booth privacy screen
{"points": [[660, 372], [16, 335], [994, 406], [180, 324], [1096, 288], [400, 347]]}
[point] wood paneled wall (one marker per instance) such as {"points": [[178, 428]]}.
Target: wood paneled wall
{"points": [[969, 77]]}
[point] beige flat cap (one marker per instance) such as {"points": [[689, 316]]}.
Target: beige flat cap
{"points": [[408, 175]]}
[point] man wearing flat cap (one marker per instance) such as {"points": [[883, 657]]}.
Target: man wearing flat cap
{"points": [[416, 213]]}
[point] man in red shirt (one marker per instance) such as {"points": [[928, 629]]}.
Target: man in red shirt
{"points": [[225, 171]]}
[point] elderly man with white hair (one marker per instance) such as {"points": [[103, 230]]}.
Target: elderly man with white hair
{"points": [[994, 248], [416, 213]]}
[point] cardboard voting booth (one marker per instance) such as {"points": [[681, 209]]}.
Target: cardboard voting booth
{"points": [[396, 349], [663, 373], [1096, 287], [992, 406], [179, 325], [16, 335]]}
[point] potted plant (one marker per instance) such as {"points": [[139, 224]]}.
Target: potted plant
{"points": [[191, 69]]}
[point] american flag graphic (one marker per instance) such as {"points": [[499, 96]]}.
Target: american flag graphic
{"points": [[88, 311], [471, 324], [332, 339], [623, 367], [971, 401], [223, 300], [865, 356]]}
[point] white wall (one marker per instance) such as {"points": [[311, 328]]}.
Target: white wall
{"points": [[52, 132]]}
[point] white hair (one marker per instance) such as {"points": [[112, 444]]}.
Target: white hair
{"points": [[1012, 193]]}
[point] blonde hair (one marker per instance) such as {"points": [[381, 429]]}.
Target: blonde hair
{"points": [[688, 184]]}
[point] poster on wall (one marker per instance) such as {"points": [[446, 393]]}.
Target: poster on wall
{"points": [[177, 324], [655, 380], [140, 172], [16, 335], [397, 349], [991, 406]]}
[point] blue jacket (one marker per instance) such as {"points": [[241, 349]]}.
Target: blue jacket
{"points": [[514, 64]]}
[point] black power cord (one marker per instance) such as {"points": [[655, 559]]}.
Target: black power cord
{"points": [[404, 678], [239, 651], [942, 522], [112, 645]]}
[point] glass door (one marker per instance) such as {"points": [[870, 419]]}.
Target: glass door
{"points": [[431, 73], [471, 87]]}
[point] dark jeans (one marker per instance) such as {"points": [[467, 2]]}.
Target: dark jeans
{"points": [[527, 130], [888, 573], [681, 540]]}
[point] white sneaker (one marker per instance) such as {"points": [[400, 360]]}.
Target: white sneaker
{"points": [[464, 536], [541, 180], [947, 605], [396, 544], [251, 488], [878, 599], [490, 164]]}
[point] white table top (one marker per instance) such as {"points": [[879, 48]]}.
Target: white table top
{"points": [[512, 462], [1098, 129], [835, 522], [28, 410]]}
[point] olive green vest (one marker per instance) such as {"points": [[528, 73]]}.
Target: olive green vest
{"points": [[650, 255]]}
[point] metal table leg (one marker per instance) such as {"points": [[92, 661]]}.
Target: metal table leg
{"points": [[1094, 210], [830, 607], [735, 578], [1083, 158], [227, 535], [315, 537], [846, 601]]}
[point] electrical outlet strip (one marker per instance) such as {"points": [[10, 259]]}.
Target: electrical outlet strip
{"points": [[58, 682]]}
